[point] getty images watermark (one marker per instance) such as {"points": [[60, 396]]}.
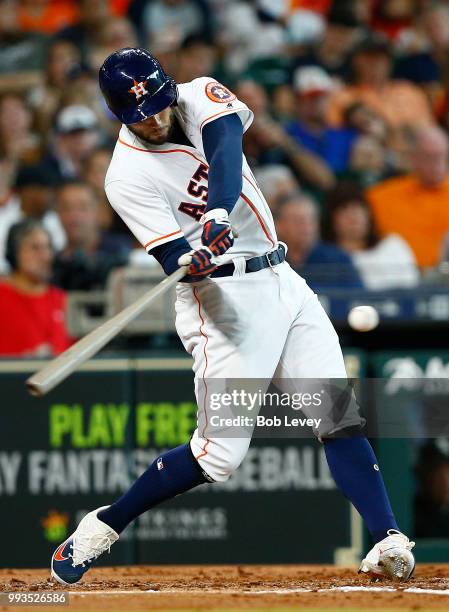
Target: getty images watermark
{"points": [[290, 409], [394, 407], [251, 402]]}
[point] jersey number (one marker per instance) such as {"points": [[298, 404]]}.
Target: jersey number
{"points": [[196, 190]]}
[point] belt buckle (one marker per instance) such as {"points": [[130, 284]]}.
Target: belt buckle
{"points": [[268, 255]]}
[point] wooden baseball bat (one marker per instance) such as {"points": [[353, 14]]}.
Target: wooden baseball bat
{"points": [[65, 364]]}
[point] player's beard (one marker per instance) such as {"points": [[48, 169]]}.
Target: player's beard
{"points": [[152, 134]]}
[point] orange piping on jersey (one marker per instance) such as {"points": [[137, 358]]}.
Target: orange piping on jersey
{"points": [[162, 238], [225, 112], [255, 187], [166, 151], [205, 336], [259, 218]]}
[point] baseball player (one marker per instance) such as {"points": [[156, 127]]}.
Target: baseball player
{"points": [[179, 180]]}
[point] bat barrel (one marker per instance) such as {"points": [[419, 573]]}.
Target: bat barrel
{"points": [[57, 370]]}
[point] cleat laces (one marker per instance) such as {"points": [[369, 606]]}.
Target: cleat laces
{"points": [[88, 548], [398, 538]]}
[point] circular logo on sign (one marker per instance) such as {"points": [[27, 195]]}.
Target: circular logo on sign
{"points": [[219, 93]]}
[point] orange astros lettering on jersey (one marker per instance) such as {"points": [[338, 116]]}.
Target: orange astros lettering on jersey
{"points": [[193, 209], [219, 93], [195, 189]]}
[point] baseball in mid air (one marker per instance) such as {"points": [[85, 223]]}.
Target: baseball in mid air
{"points": [[363, 318]]}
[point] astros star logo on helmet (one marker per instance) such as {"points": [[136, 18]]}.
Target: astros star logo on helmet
{"points": [[139, 89]]}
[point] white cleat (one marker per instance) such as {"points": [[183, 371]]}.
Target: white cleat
{"points": [[73, 558], [390, 558]]}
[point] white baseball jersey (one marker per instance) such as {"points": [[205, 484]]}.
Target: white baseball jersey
{"points": [[160, 191], [261, 325]]}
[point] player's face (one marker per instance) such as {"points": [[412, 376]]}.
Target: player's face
{"points": [[156, 129]]}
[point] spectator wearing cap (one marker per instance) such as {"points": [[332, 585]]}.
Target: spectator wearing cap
{"points": [[32, 311], [35, 187], [400, 103], [383, 263], [324, 266], [268, 142], [76, 137], [82, 90], [311, 130], [90, 254], [416, 206]]}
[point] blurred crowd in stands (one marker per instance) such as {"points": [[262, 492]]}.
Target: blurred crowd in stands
{"points": [[349, 142]]}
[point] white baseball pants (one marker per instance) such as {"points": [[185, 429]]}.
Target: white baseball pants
{"points": [[262, 325]]}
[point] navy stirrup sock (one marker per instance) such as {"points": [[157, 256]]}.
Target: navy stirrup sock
{"points": [[354, 467], [174, 472]]}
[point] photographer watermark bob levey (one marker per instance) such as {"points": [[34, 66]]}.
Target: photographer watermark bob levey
{"points": [[253, 401]]}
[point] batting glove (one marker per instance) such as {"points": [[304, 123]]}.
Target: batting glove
{"points": [[217, 231], [200, 264]]}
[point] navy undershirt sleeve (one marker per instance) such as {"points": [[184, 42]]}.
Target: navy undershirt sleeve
{"points": [[222, 143], [168, 254]]}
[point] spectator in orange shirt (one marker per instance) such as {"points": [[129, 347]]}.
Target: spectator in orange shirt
{"points": [[32, 312], [46, 16], [417, 206], [319, 6], [400, 103]]}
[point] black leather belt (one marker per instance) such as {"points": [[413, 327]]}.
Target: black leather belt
{"points": [[273, 258]]}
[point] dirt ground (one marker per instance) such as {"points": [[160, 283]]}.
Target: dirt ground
{"points": [[230, 587]]}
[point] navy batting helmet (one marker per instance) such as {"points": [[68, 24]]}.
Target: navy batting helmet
{"points": [[135, 85]]}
